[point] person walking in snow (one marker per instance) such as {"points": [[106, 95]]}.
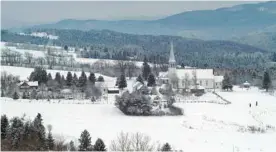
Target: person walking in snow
{"points": [[249, 105], [256, 103]]}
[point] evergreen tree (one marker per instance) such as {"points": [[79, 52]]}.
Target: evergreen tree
{"points": [[122, 82], [39, 74], [85, 141], [58, 77], [99, 145], [92, 78], [16, 132], [226, 82], [117, 81], [69, 79], [40, 131], [4, 126], [75, 79], [151, 80], [63, 81], [49, 77], [182, 65], [66, 48], [33, 94], [140, 79], [166, 147], [2, 93], [82, 79], [100, 79], [72, 146], [146, 69], [266, 81], [15, 95], [24, 96], [50, 141]]}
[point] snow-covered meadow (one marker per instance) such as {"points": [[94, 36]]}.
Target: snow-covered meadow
{"points": [[205, 126]]}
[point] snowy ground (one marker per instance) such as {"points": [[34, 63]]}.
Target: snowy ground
{"points": [[24, 73], [38, 53], [205, 126]]}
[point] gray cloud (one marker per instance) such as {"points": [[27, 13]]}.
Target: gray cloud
{"points": [[32, 12]]}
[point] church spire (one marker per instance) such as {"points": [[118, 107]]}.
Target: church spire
{"points": [[172, 58]]}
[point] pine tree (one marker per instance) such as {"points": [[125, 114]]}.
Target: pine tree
{"points": [[151, 80], [4, 126], [92, 78], [49, 77], [15, 132], [100, 79], [15, 95], [50, 141], [122, 82], [226, 82], [39, 74], [2, 93], [58, 77], [75, 80], [117, 81], [69, 79], [140, 79], [24, 96], [99, 145], [40, 131], [72, 146], [146, 69], [63, 81], [82, 79], [266, 81], [85, 141], [166, 147]]}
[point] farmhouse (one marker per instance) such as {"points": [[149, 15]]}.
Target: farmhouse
{"points": [[28, 85], [184, 78]]}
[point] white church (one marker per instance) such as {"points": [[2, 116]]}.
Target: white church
{"points": [[189, 78]]}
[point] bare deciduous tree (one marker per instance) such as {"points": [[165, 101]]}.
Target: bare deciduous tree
{"points": [[133, 142]]}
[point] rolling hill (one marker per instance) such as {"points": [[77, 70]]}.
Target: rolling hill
{"points": [[223, 23]]}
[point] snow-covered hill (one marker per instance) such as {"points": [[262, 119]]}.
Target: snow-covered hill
{"points": [[205, 126], [39, 53]]}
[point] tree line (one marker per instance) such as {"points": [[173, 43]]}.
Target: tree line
{"points": [[20, 134]]}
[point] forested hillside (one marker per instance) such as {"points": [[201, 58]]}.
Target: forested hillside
{"points": [[266, 40], [114, 45]]}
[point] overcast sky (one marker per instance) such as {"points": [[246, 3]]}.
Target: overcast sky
{"points": [[16, 12]]}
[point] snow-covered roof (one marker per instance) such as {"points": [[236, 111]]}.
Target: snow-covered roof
{"points": [[66, 91], [30, 83], [246, 83], [163, 74], [200, 73], [218, 78]]}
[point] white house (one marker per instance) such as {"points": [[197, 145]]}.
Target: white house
{"points": [[184, 78]]}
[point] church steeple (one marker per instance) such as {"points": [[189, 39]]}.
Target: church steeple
{"points": [[172, 58]]}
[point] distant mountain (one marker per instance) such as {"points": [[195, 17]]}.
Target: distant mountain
{"points": [[223, 23]]}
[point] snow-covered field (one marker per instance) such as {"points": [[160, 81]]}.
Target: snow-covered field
{"points": [[24, 73], [38, 53], [205, 126]]}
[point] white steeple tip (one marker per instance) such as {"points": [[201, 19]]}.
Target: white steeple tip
{"points": [[172, 58]]}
